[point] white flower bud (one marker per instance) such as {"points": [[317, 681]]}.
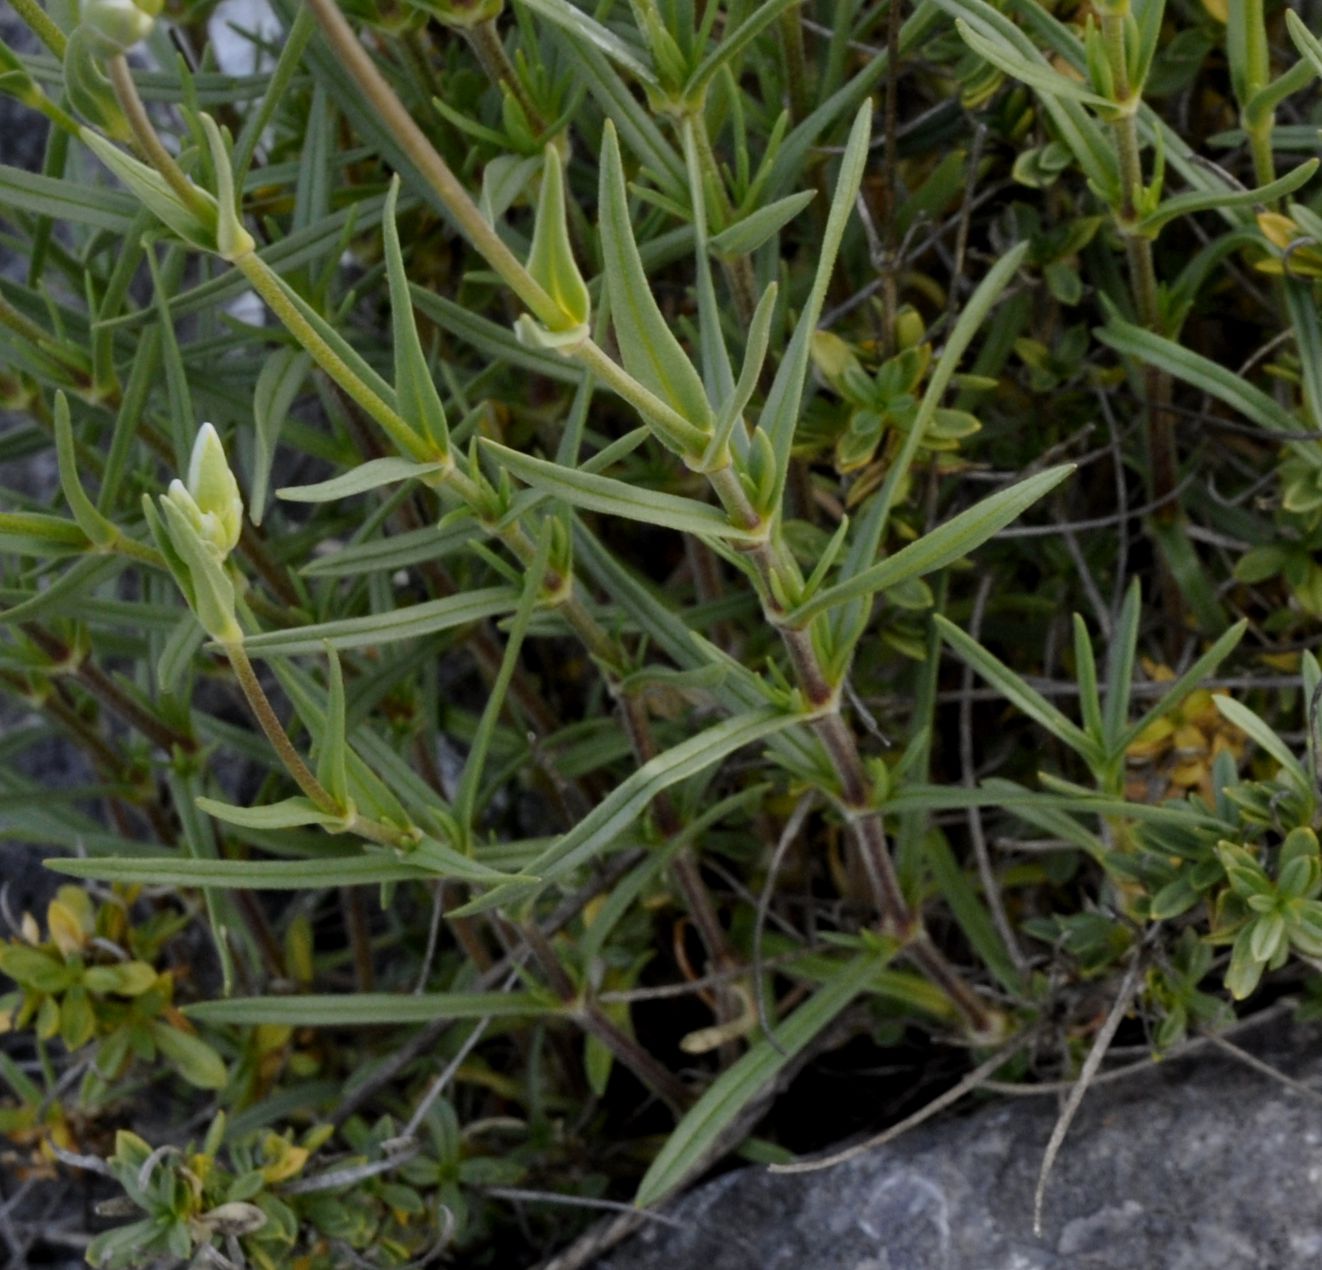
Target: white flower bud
{"points": [[211, 499], [118, 24]]}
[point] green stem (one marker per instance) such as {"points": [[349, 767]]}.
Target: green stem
{"points": [[433, 168], [1162, 460], [270, 287], [153, 149], [293, 762], [275, 732], [646, 402], [42, 27], [863, 820]]}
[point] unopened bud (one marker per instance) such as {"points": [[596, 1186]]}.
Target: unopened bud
{"points": [[210, 500], [117, 25]]}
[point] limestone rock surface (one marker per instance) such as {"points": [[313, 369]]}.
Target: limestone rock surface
{"points": [[1196, 1164]]}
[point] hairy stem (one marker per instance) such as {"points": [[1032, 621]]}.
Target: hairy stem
{"points": [[149, 142]]}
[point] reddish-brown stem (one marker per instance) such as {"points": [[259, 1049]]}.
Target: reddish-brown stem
{"points": [[659, 1079], [109, 693]]}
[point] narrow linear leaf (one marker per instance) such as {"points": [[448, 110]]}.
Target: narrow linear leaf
{"points": [[416, 397], [387, 628], [372, 1009], [747, 235], [577, 23], [1262, 734], [1015, 690], [289, 813], [1221, 382], [650, 350], [1120, 658], [1199, 201], [465, 799], [624, 804], [1035, 72], [278, 384], [617, 498], [734, 43], [780, 413], [688, 1147], [397, 551], [943, 545], [254, 875]]}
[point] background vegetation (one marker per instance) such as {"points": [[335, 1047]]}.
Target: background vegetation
{"points": [[615, 573]]}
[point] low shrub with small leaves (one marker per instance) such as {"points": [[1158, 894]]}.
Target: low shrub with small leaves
{"points": [[604, 562]]}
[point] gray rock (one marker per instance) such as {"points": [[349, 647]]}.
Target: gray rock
{"points": [[1201, 1164]]}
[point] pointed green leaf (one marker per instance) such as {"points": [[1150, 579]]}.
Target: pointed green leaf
{"points": [[374, 869], [748, 234], [689, 1146], [573, 20], [733, 45], [372, 1009], [91, 521], [650, 351], [780, 414], [624, 804], [1304, 40], [1015, 690], [156, 195], [1035, 72], [416, 397], [755, 352], [551, 258], [1259, 732], [358, 480], [412, 622], [1184, 685], [395, 551], [941, 546], [1199, 201], [1221, 382], [289, 813], [281, 377], [331, 742], [617, 498], [465, 799]]}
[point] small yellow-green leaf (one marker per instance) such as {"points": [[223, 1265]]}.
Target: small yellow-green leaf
{"points": [[190, 1056]]}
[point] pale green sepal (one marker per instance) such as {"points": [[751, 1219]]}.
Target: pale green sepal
{"points": [[117, 25], [213, 592], [214, 491]]}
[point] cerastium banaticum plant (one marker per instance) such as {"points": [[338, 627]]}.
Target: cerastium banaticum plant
{"points": [[582, 632]]}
